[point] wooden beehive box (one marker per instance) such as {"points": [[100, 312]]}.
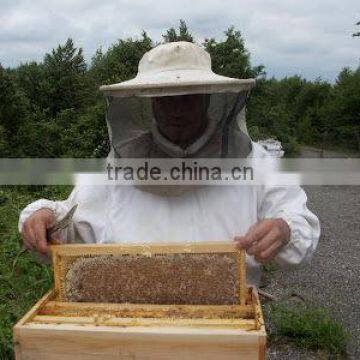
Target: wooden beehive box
{"points": [[178, 301]]}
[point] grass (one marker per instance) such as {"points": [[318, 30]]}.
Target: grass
{"points": [[22, 279], [308, 327]]}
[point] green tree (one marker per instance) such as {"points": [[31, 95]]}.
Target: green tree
{"points": [[289, 109], [53, 108], [88, 135], [13, 112], [310, 127], [120, 61], [67, 83], [3, 144], [183, 35], [30, 79], [341, 112], [230, 57], [41, 135]]}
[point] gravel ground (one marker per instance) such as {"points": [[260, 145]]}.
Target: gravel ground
{"points": [[333, 278]]}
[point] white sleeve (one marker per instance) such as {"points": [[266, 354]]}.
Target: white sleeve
{"points": [[289, 203], [59, 208]]}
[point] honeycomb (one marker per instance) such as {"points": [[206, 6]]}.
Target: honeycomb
{"points": [[190, 278]]}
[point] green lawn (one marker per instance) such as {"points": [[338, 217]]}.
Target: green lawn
{"points": [[22, 280], [308, 327]]}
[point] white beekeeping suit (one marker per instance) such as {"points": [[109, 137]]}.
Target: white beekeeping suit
{"points": [[129, 214]]}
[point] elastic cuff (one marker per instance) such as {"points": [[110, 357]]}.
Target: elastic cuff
{"points": [[35, 206], [49, 206]]}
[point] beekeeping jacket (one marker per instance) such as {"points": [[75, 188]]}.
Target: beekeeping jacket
{"points": [[132, 214]]}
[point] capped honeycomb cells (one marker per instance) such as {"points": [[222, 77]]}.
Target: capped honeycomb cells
{"points": [[192, 279]]}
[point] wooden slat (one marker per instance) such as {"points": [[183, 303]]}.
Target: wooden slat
{"points": [[259, 317], [154, 311], [56, 263], [245, 324], [241, 268], [150, 307], [145, 249]]}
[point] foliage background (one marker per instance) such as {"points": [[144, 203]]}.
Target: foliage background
{"points": [[54, 109]]}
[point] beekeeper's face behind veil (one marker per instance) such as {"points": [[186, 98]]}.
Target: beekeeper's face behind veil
{"points": [[181, 119], [177, 107]]}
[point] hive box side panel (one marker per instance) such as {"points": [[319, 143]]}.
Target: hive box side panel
{"points": [[55, 342]]}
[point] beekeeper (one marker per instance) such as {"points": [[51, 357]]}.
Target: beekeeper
{"points": [[176, 107]]}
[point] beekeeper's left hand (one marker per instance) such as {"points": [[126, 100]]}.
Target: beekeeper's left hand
{"points": [[264, 239]]}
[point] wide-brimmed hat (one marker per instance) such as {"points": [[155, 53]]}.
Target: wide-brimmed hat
{"points": [[176, 68]]}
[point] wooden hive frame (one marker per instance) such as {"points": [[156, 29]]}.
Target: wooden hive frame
{"points": [[64, 256], [132, 331]]}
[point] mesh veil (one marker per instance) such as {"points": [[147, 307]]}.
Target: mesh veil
{"points": [[133, 134]]}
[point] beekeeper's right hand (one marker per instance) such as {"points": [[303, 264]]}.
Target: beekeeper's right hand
{"points": [[34, 231]]}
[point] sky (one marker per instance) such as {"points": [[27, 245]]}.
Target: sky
{"points": [[311, 38]]}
